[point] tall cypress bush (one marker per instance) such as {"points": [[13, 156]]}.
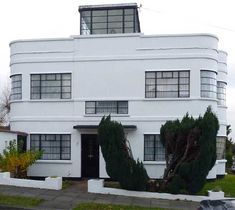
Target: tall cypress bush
{"points": [[190, 146], [120, 165]]}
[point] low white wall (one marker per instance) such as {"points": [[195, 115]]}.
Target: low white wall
{"points": [[221, 167], [49, 183], [97, 186]]}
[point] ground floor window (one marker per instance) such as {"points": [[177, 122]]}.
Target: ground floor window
{"points": [[220, 147], [153, 148], [54, 146]]}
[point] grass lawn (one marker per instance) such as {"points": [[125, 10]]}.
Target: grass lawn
{"points": [[66, 184], [19, 201], [227, 184], [96, 206]]}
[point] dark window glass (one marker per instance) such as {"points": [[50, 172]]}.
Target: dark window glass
{"points": [[153, 148], [16, 87], [220, 147], [208, 84], [106, 107], [109, 21], [167, 84], [221, 93], [51, 86], [54, 146]]}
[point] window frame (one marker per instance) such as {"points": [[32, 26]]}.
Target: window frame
{"points": [[123, 13], [221, 100], [40, 86], [117, 107], [18, 87], [40, 147], [155, 149], [178, 84], [208, 84]]}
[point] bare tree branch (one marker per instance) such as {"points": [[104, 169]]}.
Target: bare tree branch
{"points": [[5, 105]]}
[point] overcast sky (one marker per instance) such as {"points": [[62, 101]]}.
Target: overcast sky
{"points": [[25, 19]]}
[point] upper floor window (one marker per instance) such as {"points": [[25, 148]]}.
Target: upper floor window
{"points": [[221, 93], [51, 86], [153, 148], [109, 20], [106, 107], [167, 84], [54, 146], [208, 84], [16, 87]]}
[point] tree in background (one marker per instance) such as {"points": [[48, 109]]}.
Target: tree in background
{"points": [[120, 164], [16, 162], [190, 146], [229, 148], [4, 105]]}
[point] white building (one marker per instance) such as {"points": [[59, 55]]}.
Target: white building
{"points": [[62, 87], [7, 135]]}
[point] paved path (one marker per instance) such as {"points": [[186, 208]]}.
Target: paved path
{"points": [[77, 193]]}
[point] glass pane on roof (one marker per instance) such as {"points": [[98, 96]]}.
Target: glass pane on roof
{"points": [[115, 12], [99, 19], [129, 11], [99, 31], [99, 13], [85, 13], [115, 30]]}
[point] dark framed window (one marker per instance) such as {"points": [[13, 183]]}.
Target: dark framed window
{"points": [[221, 93], [16, 87], [208, 84], [109, 21], [54, 146], [153, 148], [220, 147], [167, 84], [106, 107], [51, 86]]}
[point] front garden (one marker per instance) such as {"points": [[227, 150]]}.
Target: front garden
{"points": [[19, 201], [190, 153], [226, 184], [96, 206]]}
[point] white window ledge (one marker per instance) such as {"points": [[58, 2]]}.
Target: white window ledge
{"points": [[154, 162], [55, 161], [101, 115]]}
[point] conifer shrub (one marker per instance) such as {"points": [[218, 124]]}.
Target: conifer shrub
{"points": [[120, 164], [190, 146]]}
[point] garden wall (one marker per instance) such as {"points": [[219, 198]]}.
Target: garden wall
{"points": [[97, 186], [49, 183]]}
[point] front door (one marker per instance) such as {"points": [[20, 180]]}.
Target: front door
{"points": [[90, 156]]}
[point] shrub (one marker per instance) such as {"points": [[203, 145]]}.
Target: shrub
{"points": [[17, 162], [120, 164], [190, 146]]}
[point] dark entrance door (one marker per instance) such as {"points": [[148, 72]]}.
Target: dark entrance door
{"points": [[90, 156]]}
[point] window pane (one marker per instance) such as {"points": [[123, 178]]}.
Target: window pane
{"points": [[54, 146], [129, 12], [115, 12], [153, 148], [208, 84], [221, 93], [167, 84], [16, 87], [99, 13], [51, 86], [106, 107]]}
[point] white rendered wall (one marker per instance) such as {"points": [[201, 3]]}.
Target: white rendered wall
{"points": [[111, 67]]}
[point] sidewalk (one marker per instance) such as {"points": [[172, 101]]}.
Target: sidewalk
{"points": [[77, 193]]}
